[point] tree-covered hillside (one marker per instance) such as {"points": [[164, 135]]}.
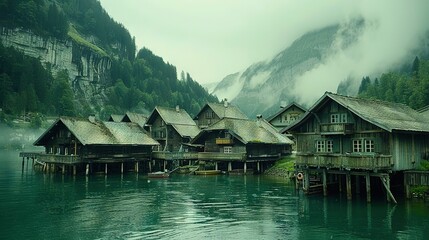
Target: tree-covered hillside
{"points": [[137, 82], [410, 88]]}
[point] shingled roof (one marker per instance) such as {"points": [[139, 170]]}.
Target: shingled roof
{"points": [[283, 109], [249, 131], [386, 115], [115, 118], [138, 118], [225, 111], [178, 118], [101, 133]]}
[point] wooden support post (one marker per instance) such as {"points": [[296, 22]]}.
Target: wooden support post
{"points": [[74, 170], [216, 166], [306, 181], [105, 168], [229, 166], [325, 184], [245, 167], [368, 187], [150, 166], [137, 167], [63, 171], [349, 186], [406, 187], [258, 167], [87, 169], [165, 165], [22, 164], [386, 182], [340, 183], [122, 167]]}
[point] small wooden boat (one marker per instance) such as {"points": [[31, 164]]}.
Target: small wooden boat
{"points": [[186, 169], [158, 175], [207, 172]]}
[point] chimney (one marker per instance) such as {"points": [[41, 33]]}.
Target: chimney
{"points": [[177, 108], [258, 120], [225, 103], [91, 118], [282, 104]]}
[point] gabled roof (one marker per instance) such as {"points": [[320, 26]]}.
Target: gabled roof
{"points": [[101, 133], [248, 131], [230, 111], [138, 118], [178, 118], [284, 109], [386, 115], [115, 118]]}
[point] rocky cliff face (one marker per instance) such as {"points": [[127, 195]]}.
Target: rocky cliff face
{"points": [[88, 71]]}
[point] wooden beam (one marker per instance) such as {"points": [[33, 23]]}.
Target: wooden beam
{"points": [[368, 187], [87, 169], [325, 184], [105, 168], [244, 167], [386, 183], [349, 186]]}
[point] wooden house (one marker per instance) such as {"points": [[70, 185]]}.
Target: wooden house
{"points": [[74, 141], [286, 115], [355, 136], [138, 118], [240, 141], [213, 112], [171, 128]]}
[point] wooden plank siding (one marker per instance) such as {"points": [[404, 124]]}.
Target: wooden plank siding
{"points": [[339, 161], [416, 178]]}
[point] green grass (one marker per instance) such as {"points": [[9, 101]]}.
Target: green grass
{"points": [[74, 34], [287, 163]]}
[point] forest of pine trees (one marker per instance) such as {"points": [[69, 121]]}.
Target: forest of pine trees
{"points": [[410, 88]]}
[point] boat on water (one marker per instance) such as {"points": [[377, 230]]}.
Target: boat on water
{"points": [[186, 169], [158, 174], [207, 172]]}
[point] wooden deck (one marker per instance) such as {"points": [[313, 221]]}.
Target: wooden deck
{"points": [[351, 161], [175, 155]]}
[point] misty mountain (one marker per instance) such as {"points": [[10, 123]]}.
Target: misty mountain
{"points": [[316, 62]]}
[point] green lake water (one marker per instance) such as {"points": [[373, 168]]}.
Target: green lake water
{"points": [[34, 205]]}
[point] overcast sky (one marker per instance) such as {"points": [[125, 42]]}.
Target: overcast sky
{"points": [[213, 38]]}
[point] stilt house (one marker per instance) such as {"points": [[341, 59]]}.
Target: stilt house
{"points": [[213, 112], [286, 115]]}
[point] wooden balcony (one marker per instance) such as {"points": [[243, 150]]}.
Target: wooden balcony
{"points": [[336, 128], [218, 156], [224, 141], [351, 161], [175, 155], [56, 158]]}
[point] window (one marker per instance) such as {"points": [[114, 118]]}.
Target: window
{"points": [[357, 145], [210, 114], [363, 145], [369, 145], [320, 146], [329, 145], [339, 118], [162, 123], [227, 149]]}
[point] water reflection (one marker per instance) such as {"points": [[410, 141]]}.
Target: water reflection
{"points": [[48, 206]]}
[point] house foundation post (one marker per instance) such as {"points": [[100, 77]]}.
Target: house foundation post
{"points": [[368, 187], [122, 167], [216, 166], [349, 186], [105, 168], [325, 184], [87, 169], [229, 166], [245, 167], [258, 167], [63, 171], [74, 170]]}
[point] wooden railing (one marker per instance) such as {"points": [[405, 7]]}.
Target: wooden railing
{"points": [[351, 161], [175, 155], [205, 156], [223, 141], [53, 158], [336, 128]]}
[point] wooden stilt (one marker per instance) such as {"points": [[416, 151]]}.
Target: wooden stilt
{"points": [[74, 170], [340, 183], [325, 184], [386, 182], [22, 164], [150, 166], [258, 168], [349, 186], [216, 167], [245, 167], [357, 178], [229, 166], [368, 187], [165, 165], [407, 188], [105, 168], [306, 181], [87, 169], [137, 167], [122, 167], [63, 171]]}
